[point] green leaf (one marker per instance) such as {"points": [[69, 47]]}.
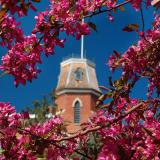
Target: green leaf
{"points": [[118, 55], [131, 28], [92, 25], [117, 83], [2, 13], [52, 19], [122, 9], [134, 26], [127, 29]]}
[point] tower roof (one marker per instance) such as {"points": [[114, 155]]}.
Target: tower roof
{"points": [[77, 76]]}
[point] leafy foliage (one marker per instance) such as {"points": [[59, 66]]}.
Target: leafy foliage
{"points": [[41, 110]]}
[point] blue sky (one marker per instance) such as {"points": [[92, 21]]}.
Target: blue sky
{"points": [[98, 47]]}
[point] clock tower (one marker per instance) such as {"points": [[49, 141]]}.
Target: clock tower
{"points": [[77, 91]]}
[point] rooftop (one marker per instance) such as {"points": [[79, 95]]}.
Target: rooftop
{"points": [[72, 67], [77, 58]]}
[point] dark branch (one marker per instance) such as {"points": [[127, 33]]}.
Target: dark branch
{"points": [[107, 10], [142, 18], [100, 127]]}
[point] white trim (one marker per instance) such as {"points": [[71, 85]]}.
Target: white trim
{"points": [[75, 100], [32, 116], [59, 80], [87, 73], [49, 115], [77, 60], [69, 74], [97, 93], [60, 112]]}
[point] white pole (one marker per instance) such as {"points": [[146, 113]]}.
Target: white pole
{"points": [[82, 43]]}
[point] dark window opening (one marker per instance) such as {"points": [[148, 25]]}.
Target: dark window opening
{"points": [[77, 112]]}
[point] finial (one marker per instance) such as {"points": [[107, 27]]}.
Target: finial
{"points": [[82, 43]]}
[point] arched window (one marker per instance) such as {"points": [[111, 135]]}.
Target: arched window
{"points": [[78, 74], [77, 112]]}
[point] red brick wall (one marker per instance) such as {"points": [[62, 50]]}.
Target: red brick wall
{"points": [[65, 101]]}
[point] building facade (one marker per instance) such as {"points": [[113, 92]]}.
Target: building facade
{"points": [[77, 92]]}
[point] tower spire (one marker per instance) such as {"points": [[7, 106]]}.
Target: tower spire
{"points": [[82, 43]]}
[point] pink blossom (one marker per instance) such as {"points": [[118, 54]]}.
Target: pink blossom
{"points": [[110, 17]]}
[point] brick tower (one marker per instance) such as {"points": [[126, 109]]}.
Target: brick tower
{"points": [[77, 91]]}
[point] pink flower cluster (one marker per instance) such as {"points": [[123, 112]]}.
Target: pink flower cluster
{"points": [[136, 136], [136, 4], [62, 16], [19, 143], [21, 60], [10, 32], [142, 59], [9, 122], [111, 133], [16, 6]]}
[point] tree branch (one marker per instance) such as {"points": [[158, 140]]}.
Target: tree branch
{"points": [[100, 127], [52, 142], [1, 132], [104, 88], [107, 10], [142, 18], [63, 147]]}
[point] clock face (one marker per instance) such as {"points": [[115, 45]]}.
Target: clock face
{"points": [[78, 74]]}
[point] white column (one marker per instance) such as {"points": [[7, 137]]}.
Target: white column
{"points": [[82, 43]]}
